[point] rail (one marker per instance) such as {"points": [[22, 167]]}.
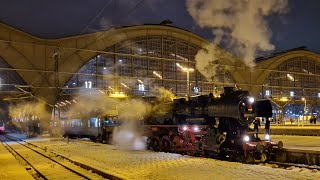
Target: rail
{"points": [[83, 166]]}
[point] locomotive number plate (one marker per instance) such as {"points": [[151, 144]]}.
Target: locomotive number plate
{"points": [[248, 115]]}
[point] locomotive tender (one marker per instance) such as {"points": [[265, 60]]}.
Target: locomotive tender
{"points": [[213, 126]]}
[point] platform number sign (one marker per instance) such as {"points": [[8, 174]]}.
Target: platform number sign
{"points": [[88, 84]]}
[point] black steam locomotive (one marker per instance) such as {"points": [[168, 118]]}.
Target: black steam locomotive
{"points": [[213, 126]]}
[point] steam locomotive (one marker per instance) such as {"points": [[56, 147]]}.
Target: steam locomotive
{"points": [[213, 126]]}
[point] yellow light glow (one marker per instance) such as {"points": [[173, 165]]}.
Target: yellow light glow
{"points": [[303, 99], [284, 99], [118, 95]]}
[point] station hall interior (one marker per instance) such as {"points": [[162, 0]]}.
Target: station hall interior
{"points": [[159, 89], [132, 60]]}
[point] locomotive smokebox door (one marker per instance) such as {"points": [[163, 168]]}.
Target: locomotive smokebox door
{"points": [[263, 108]]}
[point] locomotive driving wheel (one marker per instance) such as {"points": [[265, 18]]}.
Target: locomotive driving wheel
{"points": [[153, 143], [166, 144], [249, 158], [191, 152]]}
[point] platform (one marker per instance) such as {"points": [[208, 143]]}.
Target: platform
{"points": [[306, 130], [299, 142], [10, 168]]}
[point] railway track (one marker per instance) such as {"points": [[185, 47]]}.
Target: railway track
{"points": [[289, 165], [284, 165], [278, 164], [42, 164]]}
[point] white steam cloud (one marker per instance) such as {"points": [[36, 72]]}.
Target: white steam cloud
{"points": [[129, 135], [239, 24], [207, 61], [27, 114], [131, 112]]}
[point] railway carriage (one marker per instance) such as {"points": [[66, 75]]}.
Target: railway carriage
{"points": [[94, 128]]}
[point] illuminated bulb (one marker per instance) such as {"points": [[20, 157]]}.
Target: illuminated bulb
{"points": [[246, 138], [267, 137], [251, 99], [185, 128]]}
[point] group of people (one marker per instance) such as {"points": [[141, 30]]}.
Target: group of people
{"points": [[313, 120], [257, 124]]}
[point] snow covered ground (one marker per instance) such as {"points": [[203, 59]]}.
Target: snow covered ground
{"points": [[159, 165], [10, 167]]}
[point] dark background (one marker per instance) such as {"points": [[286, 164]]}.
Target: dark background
{"points": [[63, 18]]}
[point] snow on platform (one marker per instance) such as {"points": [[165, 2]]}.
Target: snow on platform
{"points": [[299, 142], [10, 168], [160, 165]]}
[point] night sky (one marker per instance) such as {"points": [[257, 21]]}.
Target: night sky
{"points": [[63, 18]]}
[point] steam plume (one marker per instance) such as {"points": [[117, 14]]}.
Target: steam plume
{"points": [[239, 24], [24, 113], [207, 60], [128, 136]]}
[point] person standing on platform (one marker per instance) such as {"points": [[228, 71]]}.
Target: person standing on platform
{"points": [[256, 123], [291, 120], [267, 126]]}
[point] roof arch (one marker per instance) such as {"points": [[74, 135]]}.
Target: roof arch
{"points": [[24, 51], [265, 68], [72, 61]]}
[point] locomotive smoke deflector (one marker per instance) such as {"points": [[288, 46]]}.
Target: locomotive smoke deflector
{"points": [[263, 108]]}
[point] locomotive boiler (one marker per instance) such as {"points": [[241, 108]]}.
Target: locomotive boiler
{"points": [[213, 126]]}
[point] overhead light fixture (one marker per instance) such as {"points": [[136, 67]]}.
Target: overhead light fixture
{"points": [[155, 73], [125, 85], [184, 69], [140, 81]]}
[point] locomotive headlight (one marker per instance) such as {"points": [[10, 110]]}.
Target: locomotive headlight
{"points": [[251, 100], [184, 128], [196, 128], [267, 137], [246, 138]]}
